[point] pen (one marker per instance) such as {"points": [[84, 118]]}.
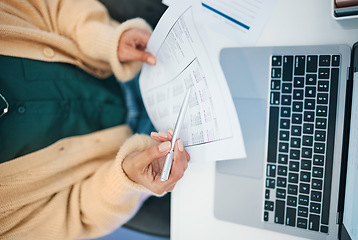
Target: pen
{"points": [[169, 158]]}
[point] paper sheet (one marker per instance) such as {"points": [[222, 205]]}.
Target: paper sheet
{"points": [[211, 130], [167, 2], [241, 20]]}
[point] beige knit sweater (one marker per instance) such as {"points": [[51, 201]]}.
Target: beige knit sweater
{"points": [[79, 32], [76, 187]]}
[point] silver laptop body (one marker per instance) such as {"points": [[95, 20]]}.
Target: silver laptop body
{"points": [[241, 185]]}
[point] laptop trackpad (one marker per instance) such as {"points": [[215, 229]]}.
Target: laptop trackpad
{"points": [[252, 116]]}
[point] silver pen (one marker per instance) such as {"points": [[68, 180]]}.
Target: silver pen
{"points": [[169, 159]]}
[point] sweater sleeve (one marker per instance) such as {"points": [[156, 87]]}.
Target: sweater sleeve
{"points": [[89, 25], [76, 188]]}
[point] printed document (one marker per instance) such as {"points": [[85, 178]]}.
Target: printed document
{"points": [[211, 129], [240, 20]]}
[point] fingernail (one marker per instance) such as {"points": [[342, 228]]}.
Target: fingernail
{"points": [[180, 145], [171, 131], [161, 134], [164, 146], [151, 60], [154, 134]]}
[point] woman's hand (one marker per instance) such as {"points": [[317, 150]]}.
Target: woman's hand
{"points": [[145, 167], [132, 45]]}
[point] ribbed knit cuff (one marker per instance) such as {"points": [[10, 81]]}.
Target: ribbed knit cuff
{"points": [[136, 143], [126, 71], [101, 43]]}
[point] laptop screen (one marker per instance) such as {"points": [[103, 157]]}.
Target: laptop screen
{"points": [[350, 217]]}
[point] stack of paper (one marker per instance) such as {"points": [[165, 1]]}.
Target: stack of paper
{"points": [[211, 130]]}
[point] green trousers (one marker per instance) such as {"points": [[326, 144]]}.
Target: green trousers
{"points": [[50, 101]]}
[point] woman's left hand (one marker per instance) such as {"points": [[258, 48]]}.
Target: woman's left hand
{"points": [[132, 45]]}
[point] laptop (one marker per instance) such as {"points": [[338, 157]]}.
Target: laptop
{"points": [[295, 108]]}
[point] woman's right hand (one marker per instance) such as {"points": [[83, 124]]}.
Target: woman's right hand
{"points": [[145, 167]]}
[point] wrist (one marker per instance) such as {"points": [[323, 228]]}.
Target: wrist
{"points": [[133, 145], [127, 169]]}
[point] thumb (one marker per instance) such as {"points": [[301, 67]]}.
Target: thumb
{"points": [[155, 152], [142, 56]]}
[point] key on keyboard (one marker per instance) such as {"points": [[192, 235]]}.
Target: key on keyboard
{"points": [[303, 99]]}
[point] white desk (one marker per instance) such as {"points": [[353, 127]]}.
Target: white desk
{"points": [[293, 22]]}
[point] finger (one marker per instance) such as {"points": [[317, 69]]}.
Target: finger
{"points": [[154, 135], [160, 136], [132, 44], [141, 36], [140, 55], [185, 165], [137, 38], [187, 156], [171, 132], [171, 188], [179, 160], [153, 153], [158, 139]]}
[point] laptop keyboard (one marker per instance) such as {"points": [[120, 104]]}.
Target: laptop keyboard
{"points": [[303, 100]]}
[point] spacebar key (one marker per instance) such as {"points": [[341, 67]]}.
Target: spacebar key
{"points": [[279, 212], [272, 136]]}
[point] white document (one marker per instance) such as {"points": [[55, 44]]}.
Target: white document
{"points": [[211, 129], [167, 2], [241, 20]]}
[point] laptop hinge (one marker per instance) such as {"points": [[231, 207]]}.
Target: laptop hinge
{"points": [[350, 71], [344, 157]]}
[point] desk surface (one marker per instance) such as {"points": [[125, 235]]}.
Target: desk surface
{"points": [[293, 22]]}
